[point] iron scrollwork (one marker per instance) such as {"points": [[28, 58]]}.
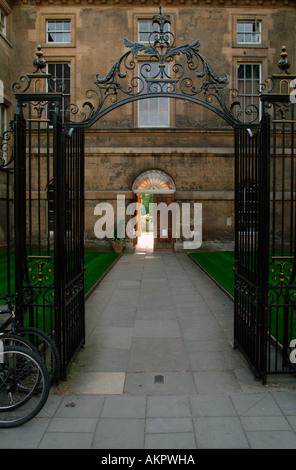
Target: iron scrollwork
{"points": [[6, 150], [281, 284], [246, 288], [41, 278], [193, 79], [74, 288]]}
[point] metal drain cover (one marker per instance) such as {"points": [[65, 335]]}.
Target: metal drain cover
{"points": [[158, 379]]}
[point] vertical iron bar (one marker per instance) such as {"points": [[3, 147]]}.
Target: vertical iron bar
{"points": [[59, 233], [283, 189], [30, 182], [292, 186], [8, 241], [264, 184], [20, 206]]}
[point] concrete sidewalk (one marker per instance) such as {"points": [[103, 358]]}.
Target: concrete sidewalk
{"points": [[159, 372]]}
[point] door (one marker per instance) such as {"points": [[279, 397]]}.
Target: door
{"points": [[163, 229], [137, 199]]}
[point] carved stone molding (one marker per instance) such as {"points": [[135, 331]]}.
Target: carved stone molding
{"points": [[238, 3]]}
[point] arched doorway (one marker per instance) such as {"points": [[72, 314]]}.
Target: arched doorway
{"points": [[151, 188]]}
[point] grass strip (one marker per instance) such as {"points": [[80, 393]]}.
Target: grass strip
{"points": [[219, 265], [97, 263]]}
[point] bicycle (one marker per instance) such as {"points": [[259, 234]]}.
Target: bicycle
{"points": [[24, 385], [30, 337]]}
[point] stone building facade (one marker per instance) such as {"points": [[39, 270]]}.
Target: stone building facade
{"points": [[82, 39]]}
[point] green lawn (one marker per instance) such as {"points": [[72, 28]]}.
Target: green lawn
{"points": [[219, 265], [96, 265]]}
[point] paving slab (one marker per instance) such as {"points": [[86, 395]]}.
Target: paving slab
{"points": [[117, 433], [220, 433], [173, 383]]}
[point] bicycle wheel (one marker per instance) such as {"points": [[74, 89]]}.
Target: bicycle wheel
{"points": [[24, 386], [15, 340], [11, 339], [45, 347]]}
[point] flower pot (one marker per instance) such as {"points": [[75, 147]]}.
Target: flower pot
{"points": [[117, 246]]}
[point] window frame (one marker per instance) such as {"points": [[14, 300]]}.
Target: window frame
{"points": [[43, 18], [149, 100], [6, 12], [244, 95], [148, 32], [142, 58], [3, 28], [68, 20], [261, 18], [3, 118], [56, 62], [253, 22]]}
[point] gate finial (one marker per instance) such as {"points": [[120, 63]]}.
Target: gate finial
{"points": [[161, 19], [284, 63], [39, 63]]}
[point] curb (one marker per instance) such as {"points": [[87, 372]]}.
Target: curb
{"points": [[93, 288], [225, 291]]}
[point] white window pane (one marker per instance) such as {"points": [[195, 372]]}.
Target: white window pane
{"points": [[143, 37], [51, 26], [248, 79], [145, 28], [249, 27], [249, 32], [62, 82], [153, 112], [59, 31], [67, 37], [240, 37], [240, 27]]}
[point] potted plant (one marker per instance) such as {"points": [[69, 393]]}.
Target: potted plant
{"points": [[117, 243]]}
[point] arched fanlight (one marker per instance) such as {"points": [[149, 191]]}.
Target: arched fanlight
{"points": [[154, 181]]}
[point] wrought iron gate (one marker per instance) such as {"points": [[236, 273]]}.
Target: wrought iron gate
{"points": [[251, 241], [48, 238], [49, 193], [69, 240], [264, 317]]}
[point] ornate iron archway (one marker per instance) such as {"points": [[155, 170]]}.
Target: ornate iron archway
{"points": [[48, 145], [190, 77]]}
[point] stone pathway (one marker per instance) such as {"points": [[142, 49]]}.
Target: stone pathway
{"points": [[158, 371]]}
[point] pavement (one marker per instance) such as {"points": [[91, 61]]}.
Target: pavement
{"points": [[158, 371]]}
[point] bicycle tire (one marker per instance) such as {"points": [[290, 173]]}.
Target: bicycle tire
{"points": [[45, 347], [22, 372], [27, 389], [11, 339]]}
